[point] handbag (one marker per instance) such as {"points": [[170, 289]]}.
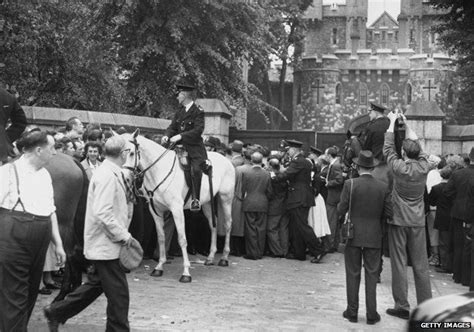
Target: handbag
{"points": [[348, 227]]}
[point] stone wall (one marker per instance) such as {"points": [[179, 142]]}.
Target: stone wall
{"points": [[217, 119]]}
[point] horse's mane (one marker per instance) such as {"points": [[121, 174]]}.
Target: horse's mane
{"points": [[146, 144]]}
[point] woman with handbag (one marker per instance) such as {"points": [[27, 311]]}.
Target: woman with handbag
{"points": [[366, 201]]}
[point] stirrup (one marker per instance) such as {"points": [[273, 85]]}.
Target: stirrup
{"points": [[195, 205]]}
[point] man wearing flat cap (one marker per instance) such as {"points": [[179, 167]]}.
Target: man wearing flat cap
{"points": [[375, 131], [367, 201], [186, 128], [300, 199]]}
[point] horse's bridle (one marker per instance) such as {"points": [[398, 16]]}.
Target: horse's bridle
{"points": [[138, 175]]}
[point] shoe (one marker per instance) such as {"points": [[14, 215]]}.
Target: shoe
{"points": [[45, 291], [373, 321], [53, 324], [442, 270], [195, 205], [352, 319], [400, 313], [53, 285], [434, 260], [318, 257]]}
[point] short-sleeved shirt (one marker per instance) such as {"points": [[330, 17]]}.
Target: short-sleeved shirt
{"points": [[36, 188]]}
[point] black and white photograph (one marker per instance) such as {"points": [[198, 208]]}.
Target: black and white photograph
{"points": [[236, 165]]}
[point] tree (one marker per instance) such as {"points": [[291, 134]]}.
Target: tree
{"points": [[287, 26], [456, 32], [160, 42], [52, 57]]}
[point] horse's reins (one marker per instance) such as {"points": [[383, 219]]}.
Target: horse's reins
{"points": [[139, 175]]}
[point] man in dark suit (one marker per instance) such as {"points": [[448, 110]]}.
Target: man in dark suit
{"points": [[186, 128], [334, 183], [277, 220], [10, 110], [300, 199], [457, 190], [442, 220], [367, 202], [256, 189]]}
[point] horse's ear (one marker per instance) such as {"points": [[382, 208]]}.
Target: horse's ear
{"points": [[348, 134], [136, 133]]}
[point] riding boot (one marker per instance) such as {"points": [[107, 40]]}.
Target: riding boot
{"points": [[196, 176]]}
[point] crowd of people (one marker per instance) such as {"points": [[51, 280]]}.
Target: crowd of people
{"points": [[416, 208]]}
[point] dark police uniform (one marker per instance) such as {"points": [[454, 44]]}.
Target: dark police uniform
{"points": [[9, 109], [190, 125], [374, 134], [299, 200]]}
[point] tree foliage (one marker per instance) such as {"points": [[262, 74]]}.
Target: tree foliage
{"points": [[286, 27], [126, 56], [457, 36]]}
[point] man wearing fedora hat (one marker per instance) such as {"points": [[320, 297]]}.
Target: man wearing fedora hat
{"points": [[299, 200], [367, 201], [373, 136], [186, 128]]}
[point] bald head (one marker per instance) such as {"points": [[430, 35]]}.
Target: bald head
{"points": [[114, 146], [256, 158]]}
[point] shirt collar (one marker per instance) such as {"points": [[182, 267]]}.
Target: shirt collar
{"points": [[188, 106], [117, 170]]}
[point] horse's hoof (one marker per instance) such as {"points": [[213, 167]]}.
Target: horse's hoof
{"points": [[208, 262], [156, 273], [185, 279], [223, 262]]}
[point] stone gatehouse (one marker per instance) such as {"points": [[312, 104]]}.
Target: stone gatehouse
{"points": [[346, 64]]}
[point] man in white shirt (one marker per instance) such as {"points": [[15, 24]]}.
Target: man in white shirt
{"points": [[108, 216], [27, 225]]}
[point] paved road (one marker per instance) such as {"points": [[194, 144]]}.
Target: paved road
{"points": [[271, 294]]}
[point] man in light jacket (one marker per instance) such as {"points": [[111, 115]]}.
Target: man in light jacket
{"points": [[108, 216]]}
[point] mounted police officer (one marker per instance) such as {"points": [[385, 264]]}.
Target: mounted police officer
{"points": [[375, 131], [186, 128]]}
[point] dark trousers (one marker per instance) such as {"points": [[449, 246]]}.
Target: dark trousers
{"points": [[458, 247], [277, 234], [302, 235], [333, 220], [108, 278], [353, 261], [196, 176], [254, 233], [445, 253], [24, 240]]}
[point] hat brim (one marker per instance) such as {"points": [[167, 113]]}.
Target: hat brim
{"points": [[375, 162]]}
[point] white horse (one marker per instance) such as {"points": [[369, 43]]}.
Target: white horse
{"points": [[166, 187]]}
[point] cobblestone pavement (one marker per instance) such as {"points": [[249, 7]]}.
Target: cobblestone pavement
{"points": [[271, 294]]}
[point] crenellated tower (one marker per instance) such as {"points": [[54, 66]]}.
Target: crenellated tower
{"points": [[345, 65]]}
